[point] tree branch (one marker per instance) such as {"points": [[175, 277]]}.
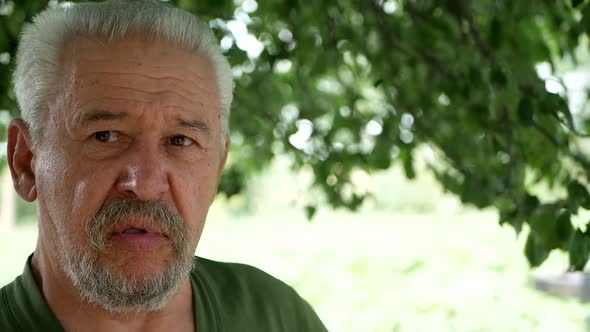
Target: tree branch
{"points": [[580, 160], [385, 31], [461, 12]]}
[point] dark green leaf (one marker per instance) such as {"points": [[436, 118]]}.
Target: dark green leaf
{"points": [[579, 251], [310, 211], [577, 3], [564, 229], [579, 194], [409, 168], [525, 111], [530, 204], [535, 251], [497, 76], [495, 34]]}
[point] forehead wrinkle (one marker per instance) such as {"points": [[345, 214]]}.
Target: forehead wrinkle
{"points": [[156, 67], [163, 81], [185, 87], [191, 90], [186, 74], [161, 54], [180, 69], [193, 77], [152, 93], [173, 80], [135, 102]]}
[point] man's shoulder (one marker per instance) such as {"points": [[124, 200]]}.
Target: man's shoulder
{"points": [[243, 283], [23, 307], [9, 296], [238, 276], [244, 291]]}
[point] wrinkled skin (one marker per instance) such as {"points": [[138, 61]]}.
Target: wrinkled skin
{"points": [[141, 120]]}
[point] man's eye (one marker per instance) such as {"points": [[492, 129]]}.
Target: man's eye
{"points": [[105, 136], [180, 140]]}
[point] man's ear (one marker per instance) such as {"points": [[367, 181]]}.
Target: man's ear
{"points": [[20, 160]]}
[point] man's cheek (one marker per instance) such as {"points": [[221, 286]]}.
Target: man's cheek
{"points": [[80, 190]]}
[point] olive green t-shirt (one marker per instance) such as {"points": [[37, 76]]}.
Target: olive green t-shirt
{"points": [[227, 297]]}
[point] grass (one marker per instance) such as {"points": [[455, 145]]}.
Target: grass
{"points": [[400, 272], [380, 271]]}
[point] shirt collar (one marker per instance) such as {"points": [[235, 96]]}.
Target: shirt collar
{"points": [[29, 308]]}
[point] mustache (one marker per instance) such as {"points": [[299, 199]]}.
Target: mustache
{"points": [[117, 212]]}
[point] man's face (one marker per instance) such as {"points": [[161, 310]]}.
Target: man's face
{"points": [[140, 124]]}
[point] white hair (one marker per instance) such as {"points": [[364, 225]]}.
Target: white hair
{"points": [[37, 78]]}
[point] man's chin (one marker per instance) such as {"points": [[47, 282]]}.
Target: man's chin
{"points": [[129, 283], [137, 267]]}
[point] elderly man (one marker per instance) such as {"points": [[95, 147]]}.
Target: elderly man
{"points": [[122, 141]]}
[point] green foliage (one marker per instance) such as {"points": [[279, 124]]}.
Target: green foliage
{"points": [[375, 79], [579, 251]]}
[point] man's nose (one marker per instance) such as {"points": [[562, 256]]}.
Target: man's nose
{"points": [[144, 175]]}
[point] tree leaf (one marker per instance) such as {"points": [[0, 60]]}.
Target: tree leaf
{"points": [[579, 251], [579, 194], [310, 211], [577, 3], [525, 111], [497, 76], [535, 250], [468, 89]]}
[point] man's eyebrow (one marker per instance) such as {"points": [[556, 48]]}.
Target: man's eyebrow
{"points": [[100, 115], [197, 125]]}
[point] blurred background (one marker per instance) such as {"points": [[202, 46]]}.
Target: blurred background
{"points": [[417, 260], [405, 165]]}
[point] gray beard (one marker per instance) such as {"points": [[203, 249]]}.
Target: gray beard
{"points": [[100, 284]]}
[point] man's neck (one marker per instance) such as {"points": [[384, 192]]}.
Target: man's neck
{"points": [[76, 314]]}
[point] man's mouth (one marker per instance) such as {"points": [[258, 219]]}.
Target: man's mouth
{"points": [[138, 227], [134, 230], [139, 236]]}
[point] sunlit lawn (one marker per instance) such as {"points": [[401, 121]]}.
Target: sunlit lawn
{"points": [[381, 271]]}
